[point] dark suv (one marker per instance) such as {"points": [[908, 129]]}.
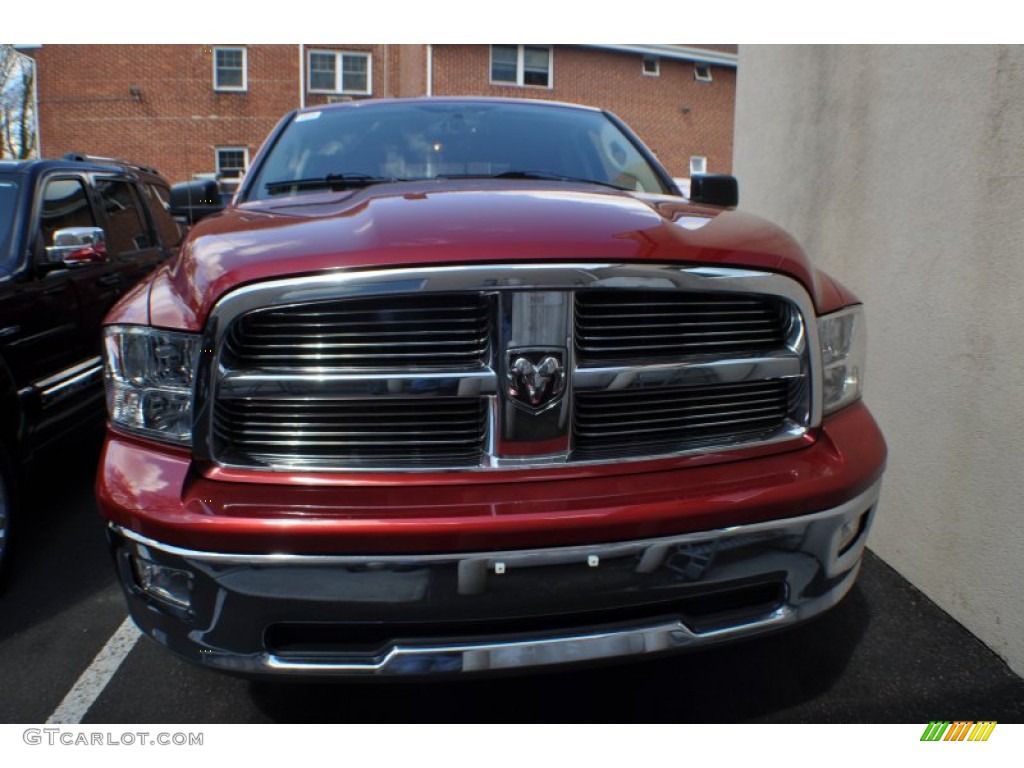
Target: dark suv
{"points": [[75, 235]]}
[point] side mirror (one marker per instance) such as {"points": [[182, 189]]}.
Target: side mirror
{"points": [[77, 245], [195, 200], [715, 189]]}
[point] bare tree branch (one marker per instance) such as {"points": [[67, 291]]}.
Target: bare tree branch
{"points": [[18, 132]]}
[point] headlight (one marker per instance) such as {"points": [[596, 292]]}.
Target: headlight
{"points": [[843, 352], [149, 375]]}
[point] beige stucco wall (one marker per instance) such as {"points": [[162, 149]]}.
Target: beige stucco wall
{"points": [[901, 170]]}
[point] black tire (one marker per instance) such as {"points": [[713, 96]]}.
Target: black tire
{"points": [[7, 506]]}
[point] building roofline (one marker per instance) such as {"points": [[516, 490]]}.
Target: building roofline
{"points": [[521, 101], [685, 52]]}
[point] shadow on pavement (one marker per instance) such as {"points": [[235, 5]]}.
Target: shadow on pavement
{"points": [[59, 552]]}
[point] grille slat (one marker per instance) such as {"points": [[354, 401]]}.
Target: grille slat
{"points": [[667, 403], [323, 443], [655, 311], [752, 324], [682, 415], [673, 325], [419, 307], [671, 429], [685, 336], [677, 349], [276, 424], [269, 338], [358, 345], [293, 362], [719, 304], [321, 433]]}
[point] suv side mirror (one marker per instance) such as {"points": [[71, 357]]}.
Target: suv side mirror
{"points": [[77, 245], [715, 189], [195, 200]]}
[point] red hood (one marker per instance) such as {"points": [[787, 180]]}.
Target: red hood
{"points": [[460, 223]]}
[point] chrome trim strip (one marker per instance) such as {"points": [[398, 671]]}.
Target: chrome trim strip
{"points": [[506, 277], [342, 385], [501, 278], [632, 641], [78, 377], [513, 558], [611, 378], [68, 373], [35, 338]]}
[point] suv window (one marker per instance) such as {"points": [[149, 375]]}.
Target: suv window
{"points": [[127, 229], [160, 205], [65, 204], [8, 202]]}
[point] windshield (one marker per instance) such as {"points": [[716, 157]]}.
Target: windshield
{"points": [[357, 146], [8, 203]]}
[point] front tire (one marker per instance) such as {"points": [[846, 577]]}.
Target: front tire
{"points": [[6, 516]]}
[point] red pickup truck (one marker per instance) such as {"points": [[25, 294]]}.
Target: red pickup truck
{"points": [[461, 385]]}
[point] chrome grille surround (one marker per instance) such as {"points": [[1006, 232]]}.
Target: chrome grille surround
{"points": [[530, 306]]}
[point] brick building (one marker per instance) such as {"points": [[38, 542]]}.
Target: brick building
{"points": [[199, 109]]}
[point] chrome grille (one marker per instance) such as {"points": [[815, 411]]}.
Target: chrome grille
{"points": [[433, 331], [389, 431], [670, 419], [613, 325], [411, 369]]}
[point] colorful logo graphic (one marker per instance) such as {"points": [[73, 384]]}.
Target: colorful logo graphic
{"points": [[958, 731]]}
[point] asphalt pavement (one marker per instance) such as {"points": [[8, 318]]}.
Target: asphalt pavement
{"points": [[885, 654]]}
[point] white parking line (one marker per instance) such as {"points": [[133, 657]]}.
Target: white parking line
{"points": [[96, 676]]}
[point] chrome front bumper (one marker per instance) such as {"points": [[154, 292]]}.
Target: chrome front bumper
{"points": [[365, 616]]}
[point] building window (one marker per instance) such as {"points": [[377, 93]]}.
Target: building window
{"points": [[336, 72], [232, 162], [702, 72], [698, 164], [652, 66], [229, 65], [521, 65]]}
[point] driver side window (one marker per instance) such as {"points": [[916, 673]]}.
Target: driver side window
{"points": [[65, 204]]}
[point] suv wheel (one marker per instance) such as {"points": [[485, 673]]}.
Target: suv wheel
{"points": [[6, 514]]}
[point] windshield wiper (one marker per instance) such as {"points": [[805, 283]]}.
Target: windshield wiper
{"points": [[541, 175], [330, 181]]}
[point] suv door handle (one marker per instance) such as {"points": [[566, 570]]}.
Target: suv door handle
{"points": [[109, 280]]}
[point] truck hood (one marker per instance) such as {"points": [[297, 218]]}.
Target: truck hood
{"points": [[446, 222]]}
